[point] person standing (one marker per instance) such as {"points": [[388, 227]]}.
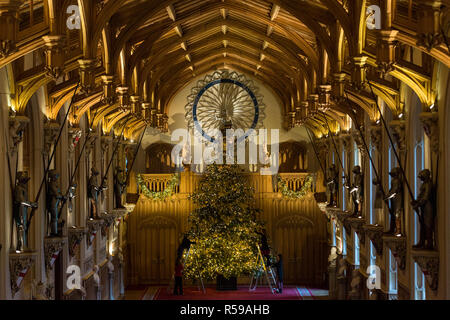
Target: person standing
{"points": [[264, 246], [185, 245], [178, 290], [279, 267]]}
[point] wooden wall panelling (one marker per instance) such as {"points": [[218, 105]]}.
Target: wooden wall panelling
{"points": [[296, 228]]}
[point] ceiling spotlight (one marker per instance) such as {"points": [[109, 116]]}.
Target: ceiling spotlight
{"points": [[378, 121], [400, 116], [432, 106]]}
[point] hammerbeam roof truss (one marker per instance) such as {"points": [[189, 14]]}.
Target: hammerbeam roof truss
{"points": [[156, 47], [187, 33]]}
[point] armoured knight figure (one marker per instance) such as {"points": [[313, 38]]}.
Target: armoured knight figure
{"points": [[332, 185], [396, 197], [356, 191], [93, 191], [424, 206], [20, 210], [71, 195], [119, 186], [54, 198]]}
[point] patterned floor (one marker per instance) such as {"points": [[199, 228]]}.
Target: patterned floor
{"points": [[162, 293]]}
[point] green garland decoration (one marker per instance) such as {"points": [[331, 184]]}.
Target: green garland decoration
{"points": [[158, 196], [302, 193]]}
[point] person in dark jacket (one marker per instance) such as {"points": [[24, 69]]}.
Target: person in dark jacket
{"points": [[178, 289], [279, 267], [185, 245], [264, 246]]}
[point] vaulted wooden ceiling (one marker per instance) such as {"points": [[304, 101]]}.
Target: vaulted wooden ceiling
{"points": [[132, 56], [187, 38]]}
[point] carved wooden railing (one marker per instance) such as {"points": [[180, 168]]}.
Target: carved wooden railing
{"points": [[294, 181], [33, 18], [405, 13], [158, 182], [189, 182]]}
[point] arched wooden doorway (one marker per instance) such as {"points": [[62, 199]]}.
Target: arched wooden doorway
{"points": [[156, 248], [303, 252]]}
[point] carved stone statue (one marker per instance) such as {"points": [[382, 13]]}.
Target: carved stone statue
{"points": [[93, 191], [119, 187], [396, 201], [54, 198], [110, 265], [39, 291], [96, 276], [355, 285], [356, 191], [341, 278], [332, 258], [332, 186], [20, 210], [425, 208], [342, 268], [15, 132]]}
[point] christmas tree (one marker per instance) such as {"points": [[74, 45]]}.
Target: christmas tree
{"points": [[224, 226]]}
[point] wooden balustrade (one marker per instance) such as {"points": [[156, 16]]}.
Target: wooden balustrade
{"points": [[189, 182], [33, 18], [296, 228], [158, 182]]}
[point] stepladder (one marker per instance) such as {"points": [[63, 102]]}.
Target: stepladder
{"points": [[265, 272]]}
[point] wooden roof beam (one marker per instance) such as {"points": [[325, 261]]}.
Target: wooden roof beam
{"points": [[224, 13], [179, 31], [171, 12], [274, 12]]}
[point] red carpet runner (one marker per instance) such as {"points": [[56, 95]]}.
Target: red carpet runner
{"points": [[289, 293]]}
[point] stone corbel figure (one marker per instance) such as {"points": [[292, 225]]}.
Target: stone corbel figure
{"points": [[96, 276], [110, 265], [16, 133], [119, 187], [342, 268], [425, 208], [355, 285], [54, 198], [39, 291], [21, 204], [341, 278], [396, 201], [332, 185], [332, 258], [356, 191], [93, 191]]}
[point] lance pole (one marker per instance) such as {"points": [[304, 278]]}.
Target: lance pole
{"points": [[114, 153], [72, 176], [52, 156], [315, 151], [392, 143], [135, 155], [335, 147]]}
